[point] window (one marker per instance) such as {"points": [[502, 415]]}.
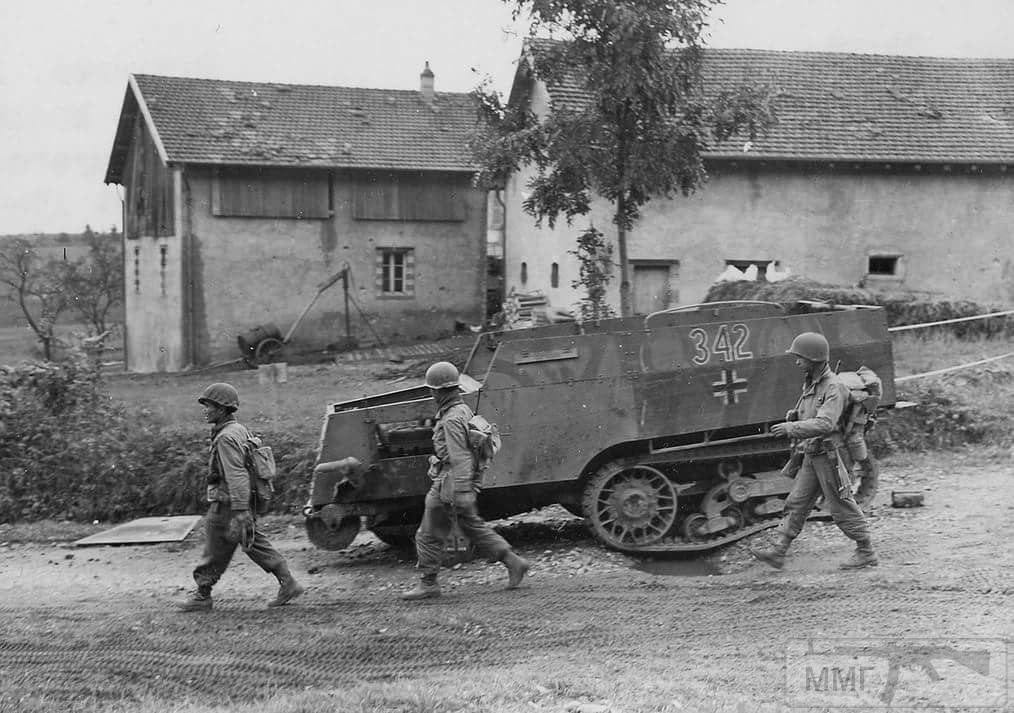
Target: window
{"points": [[554, 275], [409, 196], [883, 265], [742, 265], [137, 270], [524, 273], [264, 193], [395, 272], [163, 252]]}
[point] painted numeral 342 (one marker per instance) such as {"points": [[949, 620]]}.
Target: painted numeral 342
{"points": [[729, 342]]}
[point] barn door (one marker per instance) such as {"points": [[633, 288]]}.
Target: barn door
{"points": [[652, 288]]}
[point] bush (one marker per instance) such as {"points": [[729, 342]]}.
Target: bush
{"points": [[70, 452], [901, 308]]}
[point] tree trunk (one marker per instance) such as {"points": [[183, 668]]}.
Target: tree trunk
{"points": [[626, 308]]}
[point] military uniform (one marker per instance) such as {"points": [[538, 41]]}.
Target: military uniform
{"points": [[229, 520], [815, 427], [452, 497], [819, 437]]}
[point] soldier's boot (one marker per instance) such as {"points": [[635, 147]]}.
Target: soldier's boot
{"points": [[864, 556], [774, 556], [198, 601], [426, 588], [517, 568], [288, 587]]}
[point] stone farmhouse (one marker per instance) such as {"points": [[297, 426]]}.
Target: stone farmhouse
{"points": [[241, 198], [883, 171]]}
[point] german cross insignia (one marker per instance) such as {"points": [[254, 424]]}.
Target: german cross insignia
{"points": [[729, 387]]}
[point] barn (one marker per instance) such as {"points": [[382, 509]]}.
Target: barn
{"points": [[887, 172], [241, 199]]}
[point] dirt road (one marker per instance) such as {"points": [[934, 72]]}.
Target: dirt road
{"points": [[591, 631]]}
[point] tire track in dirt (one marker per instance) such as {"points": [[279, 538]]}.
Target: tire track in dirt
{"points": [[244, 654]]}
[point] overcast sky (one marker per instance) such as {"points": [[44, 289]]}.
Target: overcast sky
{"points": [[64, 64]]}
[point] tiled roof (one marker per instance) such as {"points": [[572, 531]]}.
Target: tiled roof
{"points": [[214, 121], [861, 107]]}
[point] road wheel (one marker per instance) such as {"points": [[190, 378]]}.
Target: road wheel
{"points": [[400, 537], [332, 535], [630, 505]]}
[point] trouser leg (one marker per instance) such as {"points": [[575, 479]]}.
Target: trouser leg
{"points": [[843, 508], [218, 548], [487, 542], [265, 556], [802, 497], [433, 532]]}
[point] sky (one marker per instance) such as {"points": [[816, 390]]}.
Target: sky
{"points": [[64, 64]]}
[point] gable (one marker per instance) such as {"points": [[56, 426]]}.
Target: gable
{"points": [[856, 107], [221, 122]]}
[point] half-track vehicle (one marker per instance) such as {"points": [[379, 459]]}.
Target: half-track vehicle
{"points": [[655, 429]]}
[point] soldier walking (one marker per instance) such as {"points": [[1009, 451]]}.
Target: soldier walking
{"points": [[815, 424], [452, 496], [230, 522]]}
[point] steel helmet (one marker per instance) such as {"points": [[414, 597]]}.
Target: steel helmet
{"points": [[221, 394], [442, 375], [812, 346]]}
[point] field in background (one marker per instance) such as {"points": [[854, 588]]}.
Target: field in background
{"points": [[298, 405]]}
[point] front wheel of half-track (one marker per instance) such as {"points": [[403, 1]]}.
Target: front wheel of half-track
{"points": [[629, 506]]}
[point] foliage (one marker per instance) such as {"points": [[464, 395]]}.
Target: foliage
{"points": [[595, 258], [38, 287], [901, 308], [68, 451], [642, 124]]}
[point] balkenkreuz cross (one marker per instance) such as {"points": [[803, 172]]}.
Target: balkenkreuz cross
{"points": [[730, 387]]}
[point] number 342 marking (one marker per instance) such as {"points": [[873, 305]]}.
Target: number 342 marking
{"points": [[729, 342]]}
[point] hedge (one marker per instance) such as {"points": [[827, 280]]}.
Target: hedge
{"points": [[901, 308]]}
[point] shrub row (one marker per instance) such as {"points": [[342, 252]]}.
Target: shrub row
{"points": [[901, 308], [67, 451]]}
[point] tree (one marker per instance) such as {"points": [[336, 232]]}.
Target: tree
{"points": [[95, 282], [38, 287], [642, 124]]}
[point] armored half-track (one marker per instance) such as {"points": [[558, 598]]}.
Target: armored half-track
{"points": [[655, 429]]}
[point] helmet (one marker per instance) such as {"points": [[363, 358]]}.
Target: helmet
{"points": [[442, 375], [221, 394], [812, 346]]}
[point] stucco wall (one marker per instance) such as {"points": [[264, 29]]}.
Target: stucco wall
{"points": [[153, 308], [252, 271], [952, 231]]}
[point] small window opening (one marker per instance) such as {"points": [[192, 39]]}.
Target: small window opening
{"points": [[886, 265], [524, 273], [744, 265], [137, 270], [554, 275], [163, 251]]}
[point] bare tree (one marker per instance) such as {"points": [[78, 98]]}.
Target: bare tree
{"points": [[39, 289], [95, 282]]}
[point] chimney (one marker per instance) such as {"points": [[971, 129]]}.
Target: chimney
{"points": [[426, 84]]}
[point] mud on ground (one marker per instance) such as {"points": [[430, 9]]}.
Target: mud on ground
{"points": [[88, 627]]}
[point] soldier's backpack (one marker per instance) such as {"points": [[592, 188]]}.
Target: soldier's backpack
{"points": [[260, 464], [483, 440], [865, 391]]}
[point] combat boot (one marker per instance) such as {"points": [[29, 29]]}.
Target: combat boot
{"points": [[198, 601], [288, 588], [864, 556], [517, 568], [774, 556], [427, 588]]}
